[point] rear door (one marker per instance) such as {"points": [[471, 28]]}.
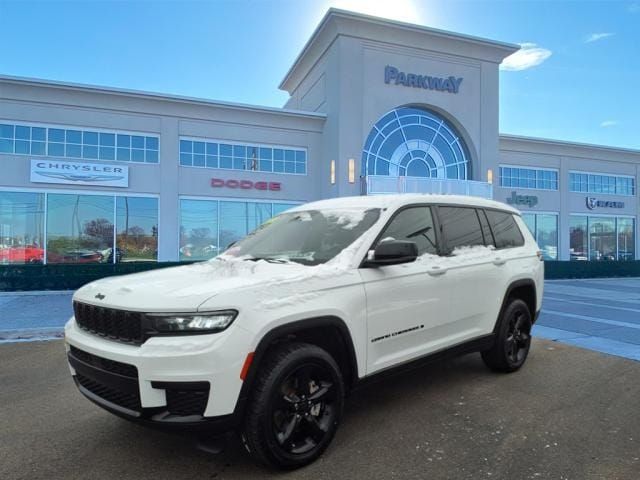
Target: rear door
{"points": [[471, 264], [407, 304]]}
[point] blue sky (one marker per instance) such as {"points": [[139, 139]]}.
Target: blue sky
{"points": [[579, 78]]}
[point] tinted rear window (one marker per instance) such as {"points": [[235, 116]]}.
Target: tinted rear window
{"points": [[460, 226], [505, 229]]}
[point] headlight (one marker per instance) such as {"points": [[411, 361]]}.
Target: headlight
{"points": [[209, 322]]}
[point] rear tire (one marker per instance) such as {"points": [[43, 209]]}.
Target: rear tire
{"points": [[513, 338], [295, 406]]}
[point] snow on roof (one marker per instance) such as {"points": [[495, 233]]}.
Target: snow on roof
{"points": [[398, 200]]}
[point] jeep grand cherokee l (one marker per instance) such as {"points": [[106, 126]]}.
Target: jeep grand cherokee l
{"points": [[268, 337]]}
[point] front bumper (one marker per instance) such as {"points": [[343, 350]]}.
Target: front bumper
{"points": [[170, 382]]}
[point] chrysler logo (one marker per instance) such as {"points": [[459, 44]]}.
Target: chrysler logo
{"points": [[81, 178], [100, 296]]}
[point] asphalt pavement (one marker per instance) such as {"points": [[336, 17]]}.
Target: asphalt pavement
{"points": [[568, 414]]}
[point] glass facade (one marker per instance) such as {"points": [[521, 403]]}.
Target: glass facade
{"points": [[78, 144], [603, 184], [208, 227], [544, 228], [21, 227], [415, 142], [535, 178], [260, 158], [77, 228], [601, 238]]}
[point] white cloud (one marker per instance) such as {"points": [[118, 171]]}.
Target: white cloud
{"points": [[594, 37], [609, 123], [528, 56]]}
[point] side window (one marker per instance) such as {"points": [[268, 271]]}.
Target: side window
{"points": [[416, 225], [505, 229], [460, 226]]}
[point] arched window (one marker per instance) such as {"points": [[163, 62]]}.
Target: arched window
{"points": [[415, 142]]}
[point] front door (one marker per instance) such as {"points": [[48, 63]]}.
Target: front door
{"points": [[407, 304]]}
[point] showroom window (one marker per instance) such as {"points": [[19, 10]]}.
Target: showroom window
{"points": [[533, 178], [21, 227], [603, 184], [544, 228], [236, 156], [77, 228], [79, 144], [601, 238], [208, 227], [415, 142]]}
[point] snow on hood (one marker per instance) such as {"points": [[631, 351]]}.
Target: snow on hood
{"points": [[189, 286]]}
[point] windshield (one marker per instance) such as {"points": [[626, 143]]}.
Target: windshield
{"points": [[309, 237]]}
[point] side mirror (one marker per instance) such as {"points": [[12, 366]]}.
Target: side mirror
{"points": [[393, 252]]}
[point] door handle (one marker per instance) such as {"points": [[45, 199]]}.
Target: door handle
{"points": [[499, 261], [436, 270]]}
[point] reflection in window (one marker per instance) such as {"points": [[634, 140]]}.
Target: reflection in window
{"points": [[505, 229], [544, 228], [578, 249], [208, 227], [602, 238], [626, 239], [461, 227], [414, 225], [198, 229], [21, 227], [136, 230], [79, 228]]}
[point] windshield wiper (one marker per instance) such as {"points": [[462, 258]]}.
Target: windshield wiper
{"points": [[268, 259]]}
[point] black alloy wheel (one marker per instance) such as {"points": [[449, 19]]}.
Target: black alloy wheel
{"points": [[295, 407], [304, 409], [513, 338]]}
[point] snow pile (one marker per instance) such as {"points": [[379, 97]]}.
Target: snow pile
{"points": [[346, 218]]}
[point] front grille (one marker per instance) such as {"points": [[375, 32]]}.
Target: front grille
{"points": [[104, 363], [127, 400], [187, 402], [111, 323]]}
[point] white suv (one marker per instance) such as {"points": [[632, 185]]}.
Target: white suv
{"points": [[267, 338]]}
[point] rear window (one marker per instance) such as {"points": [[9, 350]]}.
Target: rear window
{"points": [[505, 229], [461, 227]]}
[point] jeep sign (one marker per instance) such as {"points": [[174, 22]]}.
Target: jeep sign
{"points": [[528, 200], [246, 184]]}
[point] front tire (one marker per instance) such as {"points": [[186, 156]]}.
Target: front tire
{"points": [[513, 339], [295, 407]]}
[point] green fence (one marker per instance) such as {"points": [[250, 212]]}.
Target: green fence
{"points": [[14, 278], [583, 269]]}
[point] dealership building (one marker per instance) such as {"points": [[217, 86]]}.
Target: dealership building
{"points": [[93, 174]]}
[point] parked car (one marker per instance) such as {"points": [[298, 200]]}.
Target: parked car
{"points": [[268, 337], [21, 254]]}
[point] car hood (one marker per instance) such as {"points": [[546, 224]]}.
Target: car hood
{"points": [[186, 288]]}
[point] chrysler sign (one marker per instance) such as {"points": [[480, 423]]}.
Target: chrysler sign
{"points": [[449, 84], [73, 173], [246, 184]]}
